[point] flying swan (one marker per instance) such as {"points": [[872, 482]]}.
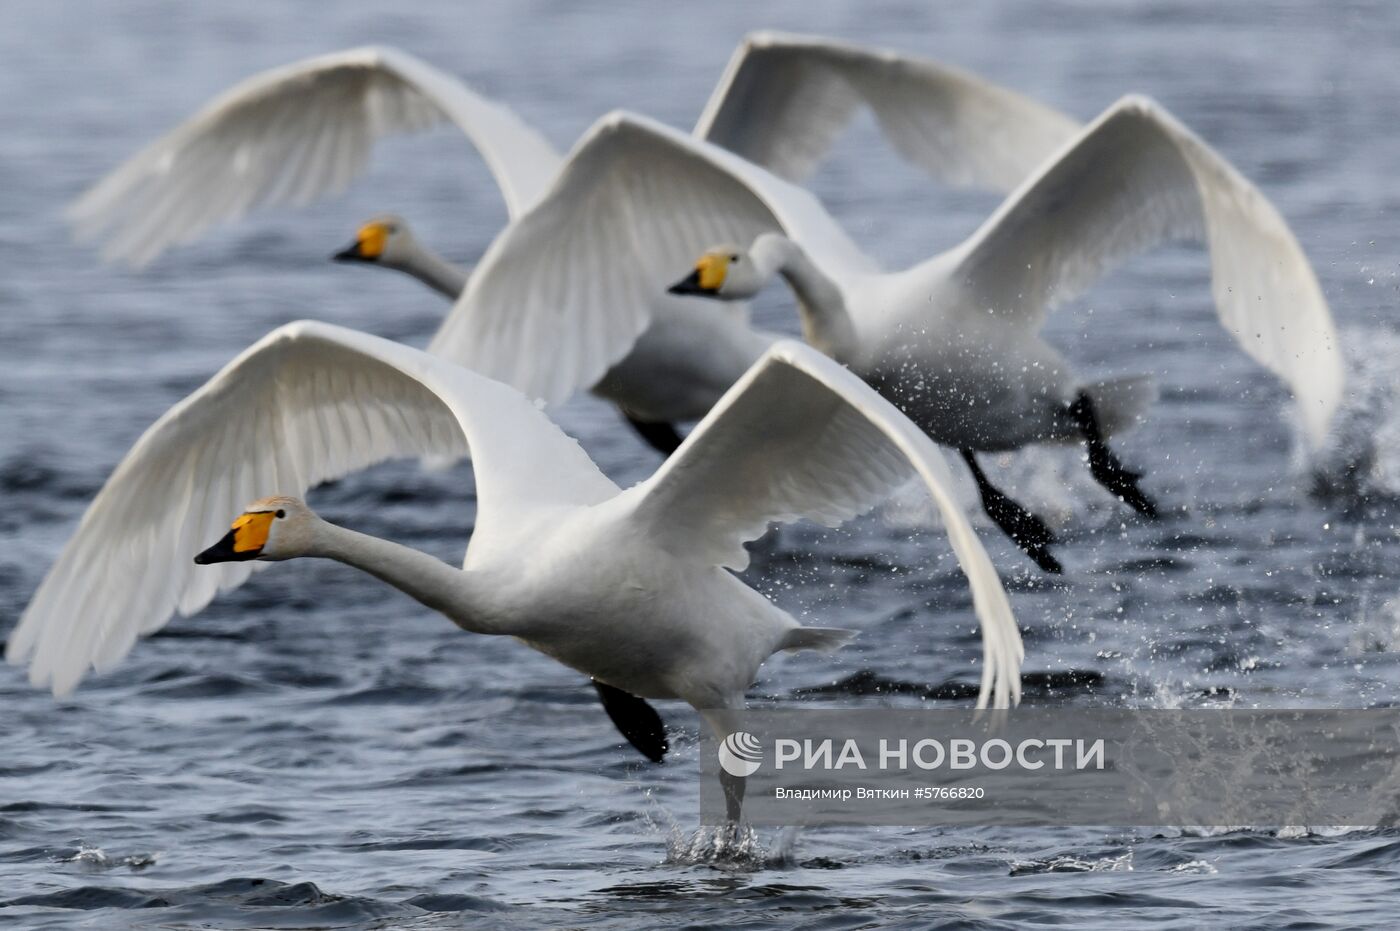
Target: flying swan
{"points": [[305, 130], [955, 341], [631, 588]]}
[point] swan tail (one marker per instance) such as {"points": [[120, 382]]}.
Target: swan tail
{"points": [[816, 638], [1119, 403]]}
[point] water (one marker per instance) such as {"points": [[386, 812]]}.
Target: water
{"points": [[317, 751]]}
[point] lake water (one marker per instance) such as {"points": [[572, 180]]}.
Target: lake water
{"points": [[315, 750]]}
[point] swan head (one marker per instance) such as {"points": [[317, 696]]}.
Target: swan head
{"points": [[727, 273], [383, 240], [270, 529]]}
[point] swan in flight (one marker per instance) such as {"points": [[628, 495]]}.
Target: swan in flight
{"points": [[631, 588], [306, 130], [955, 340]]}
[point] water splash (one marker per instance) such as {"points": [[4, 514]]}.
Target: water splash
{"points": [[95, 858], [1067, 863], [1377, 629], [1194, 866], [1362, 452], [730, 846]]}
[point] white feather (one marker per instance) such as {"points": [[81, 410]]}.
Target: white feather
{"points": [[294, 134], [784, 99]]}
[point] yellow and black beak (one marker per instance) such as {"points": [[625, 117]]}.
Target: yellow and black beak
{"points": [[243, 542], [368, 245], [707, 278]]}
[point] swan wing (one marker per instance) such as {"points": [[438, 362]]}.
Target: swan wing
{"points": [[799, 436], [565, 289], [1135, 178], [307, 403], [291, 135], [784, 99]]}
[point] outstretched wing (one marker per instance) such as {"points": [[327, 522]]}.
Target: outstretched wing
{"points": [[784, 99], [307, 403], [291, 135], [1132, 179], [801, 437], [566, 289]]}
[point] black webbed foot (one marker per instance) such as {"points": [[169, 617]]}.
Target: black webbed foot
{"points": [[1107, 470], [1025, 529], [636, 719]]}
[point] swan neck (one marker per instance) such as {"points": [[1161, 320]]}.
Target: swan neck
{"points": [[433, 270], [826, 323], [457, 593]]}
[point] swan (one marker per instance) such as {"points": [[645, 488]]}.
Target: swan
{"points": [[631, 588], [955, 339], [305, 130]]}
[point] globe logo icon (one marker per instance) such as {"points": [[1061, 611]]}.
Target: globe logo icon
{"points": [[740, 754]]}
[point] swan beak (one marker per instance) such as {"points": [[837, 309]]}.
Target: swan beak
{"points": [[707, 278], [368, 245], [243, 542], [222, 551], [690, 284], [351, 253]]}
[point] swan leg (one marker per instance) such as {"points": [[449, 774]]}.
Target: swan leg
{"points": [[732, 786], [1103, 464], [1026, 530], [659, 435], [636, 719]]}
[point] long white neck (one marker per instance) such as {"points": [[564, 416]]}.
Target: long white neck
{"points": [[432, 269], [826, 323], [457, 593]]}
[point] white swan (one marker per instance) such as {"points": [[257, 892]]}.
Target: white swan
{"points": [[305, 130], [954, 341], [628, 587]]}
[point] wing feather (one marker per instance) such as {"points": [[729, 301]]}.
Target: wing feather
{"points": [[291, 135], [831, 448], [565, 290], [784, 99], [1134, 178]]}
